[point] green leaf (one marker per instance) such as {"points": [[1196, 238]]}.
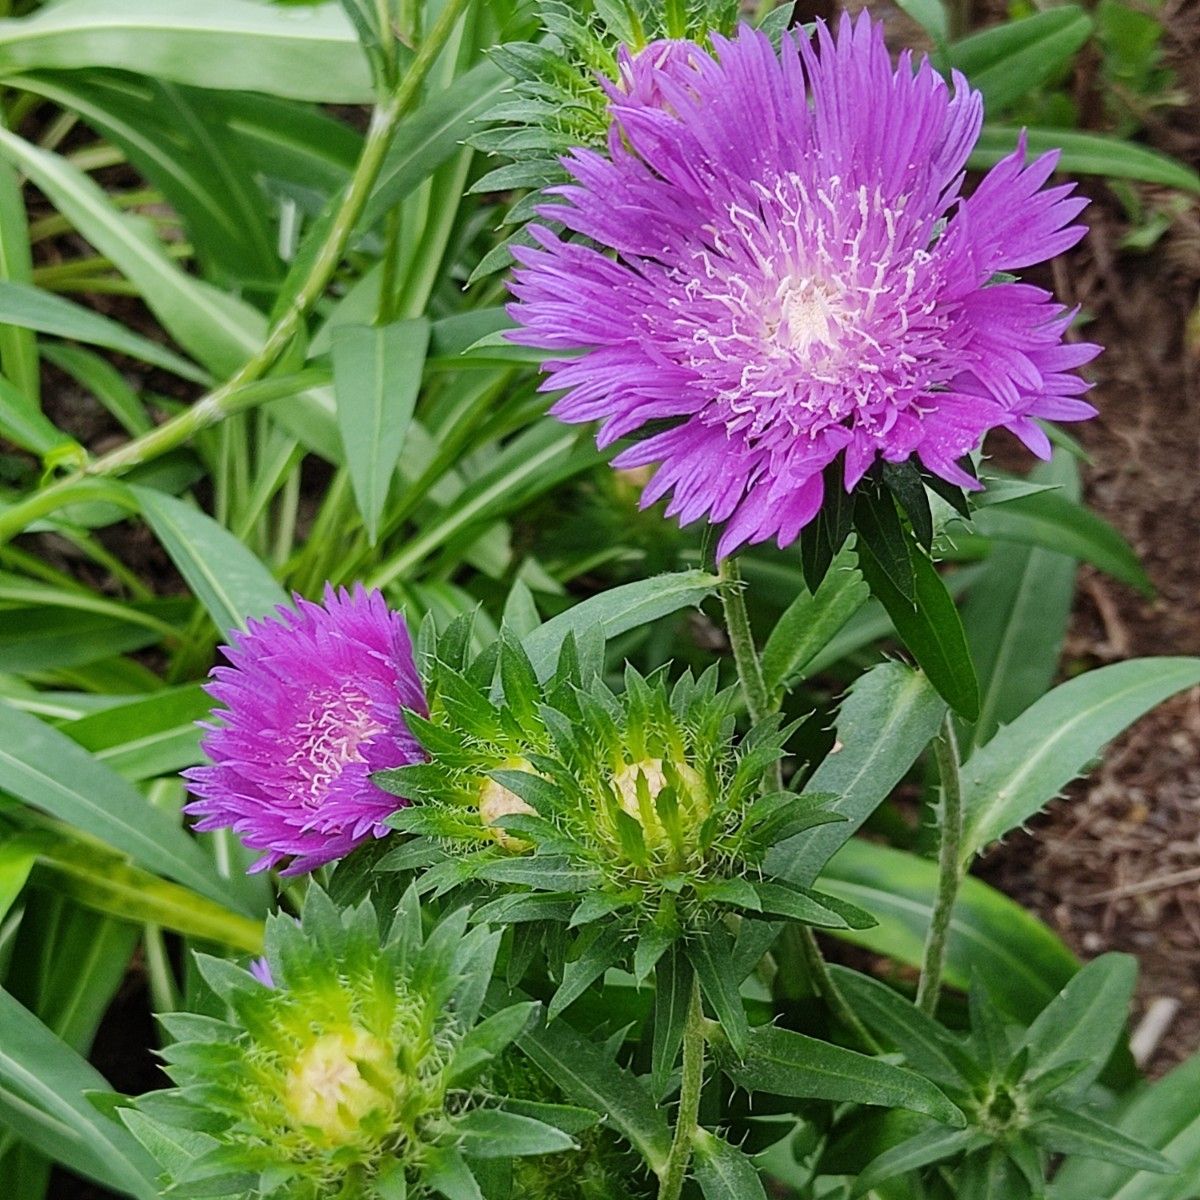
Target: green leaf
{"points": [[493, 1133], [26, 426], [1166, 1116], [601, 950], [1067, 1132], [1012, 59], [31, 308], [811, 621], [431, 136], [1087, 154], [785, 1063], [376, 378], [711, 956], [1055, 522], [47, 770], [889, 716], [592, 1079], [1030, 761], [1016, 615], [1084, 1022], [17, 857], [930, 15], [931, 629], [448, 1174], [43, 1090], [1022, 963], [724, 1172], [218, 328], [617, 611], [929, 1048], [188, 148], [308, 53], [149, 736], [673, 978], [67, 629], [929, 1146], [105, 883], [226, 577], [491, 1037], [883, 539]]}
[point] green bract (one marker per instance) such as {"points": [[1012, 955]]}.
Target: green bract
{"points": [[350, 1063]]}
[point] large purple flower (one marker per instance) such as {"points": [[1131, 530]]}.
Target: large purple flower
{"points": [[797, 275], [312, 705]]}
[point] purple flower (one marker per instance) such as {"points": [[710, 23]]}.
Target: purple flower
{"points": [[313, 703], [797, 275]]}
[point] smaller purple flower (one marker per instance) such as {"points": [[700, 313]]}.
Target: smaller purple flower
{"points": [[313, 701]]}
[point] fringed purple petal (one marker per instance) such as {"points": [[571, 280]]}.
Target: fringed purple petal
{"points": [[312, 704]]}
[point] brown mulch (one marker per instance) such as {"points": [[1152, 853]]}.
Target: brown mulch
{"points": [[1116, 864]]}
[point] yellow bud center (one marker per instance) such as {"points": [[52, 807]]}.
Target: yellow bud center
{"points": [[336, 1082], [497, 802]]}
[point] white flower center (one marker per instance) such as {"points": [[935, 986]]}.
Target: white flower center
{"points": [[810, 314], [331, 736]]}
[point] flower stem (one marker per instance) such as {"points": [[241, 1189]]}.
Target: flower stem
{"points": [[950, 869], [232, 395], [741, 641], [690, 1087]]}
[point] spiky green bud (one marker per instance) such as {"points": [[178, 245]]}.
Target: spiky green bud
{"points": [[349, 1063]]}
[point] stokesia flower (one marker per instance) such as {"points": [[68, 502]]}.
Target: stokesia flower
{"points": [[797, 275], [313, 704]]}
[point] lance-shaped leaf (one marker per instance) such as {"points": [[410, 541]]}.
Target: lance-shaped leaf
{"points": [[811, 621], [888, 718], [47, 770], [723, 1171], [785, 1063], [43, 1100], [494, 1133], [592, 1079], [376, 378], [1022, 962], [1066, 1132], [933, 1145], [617, 611], [1084, 1022], [1165, 1116], [226, 577], [1030, 761]]}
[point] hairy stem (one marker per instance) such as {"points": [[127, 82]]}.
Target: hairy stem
{"points": [[950, 868], [741, 641], [233, 395], [690, 1087]]}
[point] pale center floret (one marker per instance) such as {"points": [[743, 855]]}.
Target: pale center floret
{"points": [[327, 1093], [648, 774], [497, 802], [810, 315], [338, 724]]}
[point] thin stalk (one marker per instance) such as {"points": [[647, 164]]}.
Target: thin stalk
{"points": [[230, 396], [741, 641], [690, 1087], [950, 869]]}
